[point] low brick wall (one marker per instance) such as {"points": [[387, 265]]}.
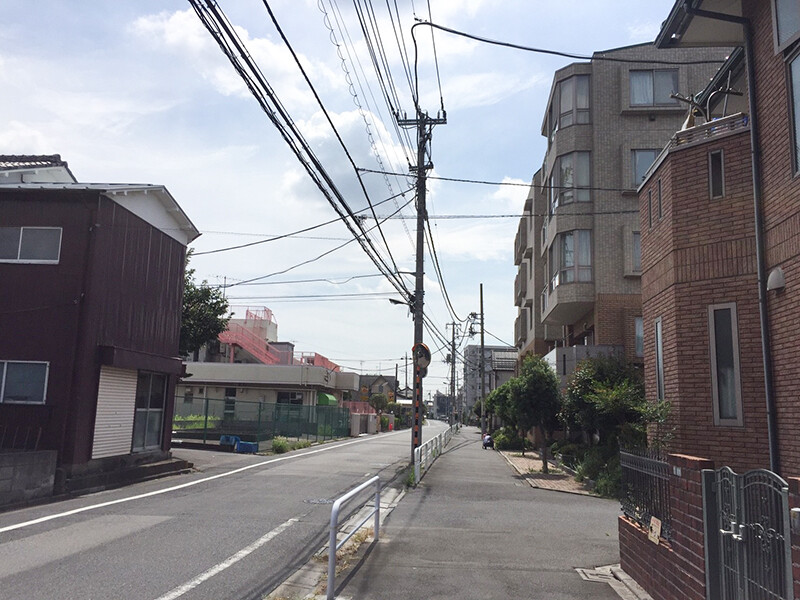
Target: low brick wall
{"points": [[26, 476], [673, 570]]}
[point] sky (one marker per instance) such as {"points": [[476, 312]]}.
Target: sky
{"points": [[139, 92]]}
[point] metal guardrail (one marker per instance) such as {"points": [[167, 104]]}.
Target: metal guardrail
{"points": [[430, 451], [332, 545]]}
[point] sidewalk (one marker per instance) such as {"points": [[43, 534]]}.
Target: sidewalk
{"points": [[474, 528]]}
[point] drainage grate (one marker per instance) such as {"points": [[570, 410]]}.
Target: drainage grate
{"points": [[318, 501]]}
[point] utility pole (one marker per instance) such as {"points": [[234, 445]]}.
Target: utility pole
{"points": [[424, 125], [483, 376], [452, 375]]}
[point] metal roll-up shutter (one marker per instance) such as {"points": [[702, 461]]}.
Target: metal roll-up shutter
{"points": [[116, 402]]}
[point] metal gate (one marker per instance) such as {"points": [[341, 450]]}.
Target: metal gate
{"points": [[748, 542]]}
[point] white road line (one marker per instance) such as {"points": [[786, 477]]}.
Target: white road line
{"points": [[188, 484], [231, 560]]}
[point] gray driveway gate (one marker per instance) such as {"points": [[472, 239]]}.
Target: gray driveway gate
{"points": [[748, 544]]}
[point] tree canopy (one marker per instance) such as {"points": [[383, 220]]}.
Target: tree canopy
{"points": [[537, 399], [379, 402], [203, 316]]}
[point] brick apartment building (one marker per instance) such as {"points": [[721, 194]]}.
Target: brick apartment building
{"points": [[577, 247], [720, 223]]}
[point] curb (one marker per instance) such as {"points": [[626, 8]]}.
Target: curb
{"points": [[539, 487]]}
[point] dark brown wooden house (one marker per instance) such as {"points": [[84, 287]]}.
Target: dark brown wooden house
{"points": [[91, 283]]}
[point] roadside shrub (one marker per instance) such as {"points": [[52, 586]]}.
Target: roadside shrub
{"points": [[571, 454], [280, 445], [300, 444], [609, 481], [384, 423], [508, 439], [591, 465]]}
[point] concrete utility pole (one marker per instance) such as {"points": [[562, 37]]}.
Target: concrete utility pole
{"points": [[451, 412], [424, 125], [483, 375]]}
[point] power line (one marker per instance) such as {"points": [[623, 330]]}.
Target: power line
{"points": [[316, 258], [315, 296], [563, 54], [333, 127], [286, 235], [318, 280], [231, 45], [544, 186]]}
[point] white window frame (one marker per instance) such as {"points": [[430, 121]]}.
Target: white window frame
{"points": [[30, 261], [659, 347], [3, 369], [711, 156], [738, 421]]}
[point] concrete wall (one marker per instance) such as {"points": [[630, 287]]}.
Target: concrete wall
{"points": [[26, 476]]}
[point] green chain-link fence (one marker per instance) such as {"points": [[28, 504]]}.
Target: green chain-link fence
{"points": [[206, 419]]}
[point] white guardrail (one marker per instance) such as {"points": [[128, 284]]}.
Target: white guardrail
{"points": [[430, 450], [332, 545]]}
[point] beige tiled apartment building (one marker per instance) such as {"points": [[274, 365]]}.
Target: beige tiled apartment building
{"points": [[578, 244]]}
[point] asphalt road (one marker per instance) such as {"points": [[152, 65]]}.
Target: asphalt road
{"points": [[234, 529]]}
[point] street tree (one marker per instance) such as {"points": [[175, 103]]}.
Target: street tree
{"points": [[379, 402], [203, 316], [537, 400]]}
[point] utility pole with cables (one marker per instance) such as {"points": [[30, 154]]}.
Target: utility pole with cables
{"points": [[451, 412], [420, 352], [483, 376]]}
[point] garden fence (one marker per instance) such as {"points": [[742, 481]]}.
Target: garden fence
{"points": [[204, 420]]}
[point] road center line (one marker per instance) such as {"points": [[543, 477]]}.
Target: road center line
{"points": [[186, 485], [231, 560]]}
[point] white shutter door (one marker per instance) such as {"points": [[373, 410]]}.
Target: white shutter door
{"points": [[116, 401]]}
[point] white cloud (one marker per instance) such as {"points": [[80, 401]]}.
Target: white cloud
{"points": [[482, 89], [643, 31]]}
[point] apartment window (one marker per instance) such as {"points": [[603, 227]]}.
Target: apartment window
{"points": [[229, 410], [794, 73], [642, 159], [658, 201], [638, 325], [295, 398], [659, 344], [188, 397], [716, 174], [571, 180], [574, 101], [30, 244], [725, 374], [637, 252], [570, 104], [23, 382], [649, 208], [786, 22], [151, 391], [575, 262], [653, 87]]}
